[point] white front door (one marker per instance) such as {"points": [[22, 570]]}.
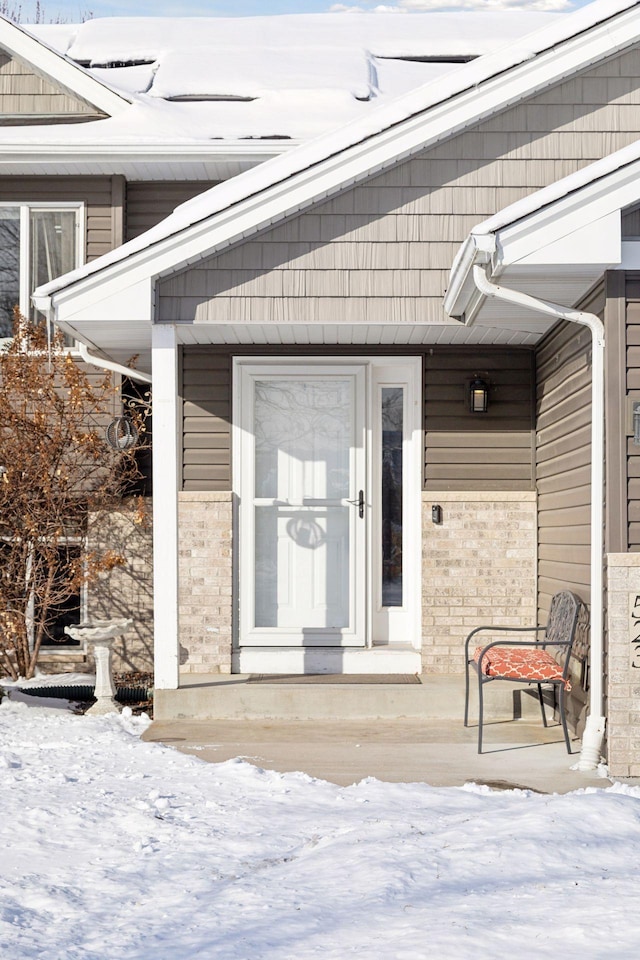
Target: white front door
{"points": [[323, 467]]}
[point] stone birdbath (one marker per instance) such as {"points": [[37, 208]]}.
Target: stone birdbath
{"points": [[101, 635]]}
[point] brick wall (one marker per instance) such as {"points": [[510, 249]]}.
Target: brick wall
{"points": [[478, 567], [205, 581], [623, 664]]}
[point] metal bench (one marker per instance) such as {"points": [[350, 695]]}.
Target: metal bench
{"points": [[529, 661]]}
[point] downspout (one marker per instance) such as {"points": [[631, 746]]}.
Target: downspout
{"points": [[44, 305], [111, 365], [593, 736]]}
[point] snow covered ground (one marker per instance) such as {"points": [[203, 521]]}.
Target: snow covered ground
{"points": [[111, 847]]}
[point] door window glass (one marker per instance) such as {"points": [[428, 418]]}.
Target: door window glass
{"points": [[392, 399]]}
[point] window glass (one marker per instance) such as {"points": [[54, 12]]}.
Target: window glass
{"points": [[52, 247], [392, 430], [9, 267]]}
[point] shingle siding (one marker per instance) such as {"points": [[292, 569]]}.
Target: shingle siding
{"points": [[409, 220]]}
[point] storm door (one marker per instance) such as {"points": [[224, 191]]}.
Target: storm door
{"points": [[303, 515], [327, 479]]}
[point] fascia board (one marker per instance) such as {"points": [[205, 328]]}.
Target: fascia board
{"points": [[341, 169], [20, 43], [597, 242], [133, 300]]}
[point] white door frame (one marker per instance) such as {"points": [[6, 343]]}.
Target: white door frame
{"points": [[397, 625], [378, 370]]}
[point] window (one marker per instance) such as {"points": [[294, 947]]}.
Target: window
{"points": [[38, 242]]}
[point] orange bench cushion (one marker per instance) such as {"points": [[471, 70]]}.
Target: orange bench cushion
{"points": [[520, 663]]}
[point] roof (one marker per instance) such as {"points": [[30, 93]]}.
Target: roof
{"points": [[271, 77], [121, 282], [554, 244], [208, 98]]}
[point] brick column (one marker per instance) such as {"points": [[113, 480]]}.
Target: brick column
{"points": [[205, 581], [623, 664]]}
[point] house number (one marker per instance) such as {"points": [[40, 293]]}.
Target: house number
{"points": [[634, 613]]}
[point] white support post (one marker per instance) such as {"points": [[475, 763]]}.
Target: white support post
{"points": [[164, 358]]}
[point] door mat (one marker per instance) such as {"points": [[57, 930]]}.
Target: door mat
{"points": [[335, 678]]}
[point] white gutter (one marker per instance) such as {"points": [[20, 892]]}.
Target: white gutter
{"points": [[111, 365], [43, 305], [593, 736]]}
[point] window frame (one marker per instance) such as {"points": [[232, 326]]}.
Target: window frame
{"points": [[26, 207]]}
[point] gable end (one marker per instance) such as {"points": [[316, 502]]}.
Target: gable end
{"points": [[28, 97]]}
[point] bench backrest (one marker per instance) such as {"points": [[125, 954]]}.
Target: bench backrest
{"points": [[569, 621], [563, 617]]}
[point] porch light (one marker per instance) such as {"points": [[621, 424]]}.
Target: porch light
{"points": [[478, 396], [636, 423]]}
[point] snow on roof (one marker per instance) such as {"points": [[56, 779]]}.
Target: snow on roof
{"points": [[293, 76], [236, 71]]}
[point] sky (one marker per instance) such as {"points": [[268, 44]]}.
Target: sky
{"points": [[74, 10]]}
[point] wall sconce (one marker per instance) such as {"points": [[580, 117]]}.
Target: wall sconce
{"points": [[636, 423], [478, 396]]}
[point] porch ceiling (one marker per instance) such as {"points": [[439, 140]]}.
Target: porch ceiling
{"points": [[352, 334], [121, 340]]}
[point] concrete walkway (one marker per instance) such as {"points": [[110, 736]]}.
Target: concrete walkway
{"points": [[437, 752]]}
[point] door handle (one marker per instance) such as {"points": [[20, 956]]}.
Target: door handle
{"points": [[359, 503]]}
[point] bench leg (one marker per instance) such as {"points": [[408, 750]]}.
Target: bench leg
{"points": [[466, 693], [563, 717], [480, 711], [541, 699]]}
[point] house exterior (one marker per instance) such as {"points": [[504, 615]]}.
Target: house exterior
{"points": [[326, 497], [107, 126]]}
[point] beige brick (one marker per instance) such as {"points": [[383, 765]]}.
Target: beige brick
{"points": [[205, 573], [478, 568]]}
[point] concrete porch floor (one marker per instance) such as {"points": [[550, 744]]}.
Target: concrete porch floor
{"points": [[437, 752], [345, 731]]}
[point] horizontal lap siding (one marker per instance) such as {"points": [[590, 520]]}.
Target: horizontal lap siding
{"points": [[633, 387], [24, 93], [101, 196], [467, 451], [380, 252], [205, 390], [463, 451], [563, 461], [149, 203]]}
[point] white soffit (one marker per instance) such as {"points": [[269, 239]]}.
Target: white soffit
{"points": [[390, 334], [136, 162], [120, 340], [77, 81]]}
